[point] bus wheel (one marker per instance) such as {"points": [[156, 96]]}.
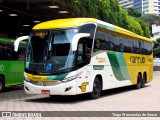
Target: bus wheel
{"points": [[139, 82], [143, 82], [1, 84], [97, 88]]}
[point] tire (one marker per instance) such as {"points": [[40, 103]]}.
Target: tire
{"points": [[139, 82], [97, 88], [143, 82], [2, 86]]}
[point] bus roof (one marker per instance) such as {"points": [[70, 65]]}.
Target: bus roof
{"points": [[63, 23], [10, 40], [75, 22]]}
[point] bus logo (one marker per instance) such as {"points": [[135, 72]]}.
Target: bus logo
{"points": [[101, 59], [83, 86], [44, 83]]}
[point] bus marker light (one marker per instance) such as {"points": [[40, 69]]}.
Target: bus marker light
{"points": [[44, 83]]}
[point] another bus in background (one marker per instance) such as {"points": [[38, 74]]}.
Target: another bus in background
{"points": [[11, 63]]}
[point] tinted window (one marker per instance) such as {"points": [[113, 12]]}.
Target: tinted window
{"points": [[7, 52], [88, 28], [107, 41]]}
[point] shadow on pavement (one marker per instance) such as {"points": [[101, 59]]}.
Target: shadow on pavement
{"points": [[81, 98], [13, 88], [120, 90], [60, 99]]}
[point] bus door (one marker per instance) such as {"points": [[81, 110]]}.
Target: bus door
{"points": [[83, 59]]}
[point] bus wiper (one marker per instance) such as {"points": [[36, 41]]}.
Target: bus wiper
{"points": [[64, 70]]}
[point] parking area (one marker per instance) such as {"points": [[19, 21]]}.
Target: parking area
{"points": [[120, 99]]}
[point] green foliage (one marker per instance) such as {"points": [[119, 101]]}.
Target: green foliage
{"points": [[134, 26], [149, 19], [158, 40], [109, 11], [145, 28], [156, 49], [134, 12], [123, 21], [87, 8]]}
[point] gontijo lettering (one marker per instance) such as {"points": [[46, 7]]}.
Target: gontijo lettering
{"points": [[135, 59]]}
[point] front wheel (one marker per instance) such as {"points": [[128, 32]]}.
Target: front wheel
{"points": [[97, 88], [2, 86]]}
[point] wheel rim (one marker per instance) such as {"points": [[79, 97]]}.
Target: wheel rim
{"points": [[0, 85]]}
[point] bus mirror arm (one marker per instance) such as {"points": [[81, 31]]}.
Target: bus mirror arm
{"points": [[17, 41], [76, 39]]}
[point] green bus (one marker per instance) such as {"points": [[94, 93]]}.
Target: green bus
{"points": [[11, 63]]}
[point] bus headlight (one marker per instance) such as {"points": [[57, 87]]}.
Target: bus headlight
{"points": [[69, 78]]}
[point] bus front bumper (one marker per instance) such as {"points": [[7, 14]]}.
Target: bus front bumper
{"points": [[67, 88]]}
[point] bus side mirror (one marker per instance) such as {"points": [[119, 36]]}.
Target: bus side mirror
{"points": [[17, 41], [76, 39]]}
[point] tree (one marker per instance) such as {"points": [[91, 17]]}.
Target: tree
{"points": [[123, 22], [145, 28], [156, 48], [134, 26], [134, 12], [111, 12], [149, 19]]}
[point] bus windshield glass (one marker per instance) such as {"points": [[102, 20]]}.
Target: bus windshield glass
{"points": [[50, 51]]}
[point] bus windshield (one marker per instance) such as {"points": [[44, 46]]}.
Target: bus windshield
{"points": [[50, 51]]}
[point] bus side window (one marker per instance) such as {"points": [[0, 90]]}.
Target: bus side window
{"points": [[8, 52], [99, 42], [21, 53], [84, 52], [136, 46], [116, 46], [1, 51], [80, 53], [130, 45]]}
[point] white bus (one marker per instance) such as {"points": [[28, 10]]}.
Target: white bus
{"points": [[85, 55]]}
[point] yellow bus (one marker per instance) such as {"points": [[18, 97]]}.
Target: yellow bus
{"points": [[85, 55]]}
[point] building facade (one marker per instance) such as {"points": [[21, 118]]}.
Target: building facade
{"points": [[144, 6], [155, 31]]}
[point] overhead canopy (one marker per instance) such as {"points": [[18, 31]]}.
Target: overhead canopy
{"points": [[19, 16]]}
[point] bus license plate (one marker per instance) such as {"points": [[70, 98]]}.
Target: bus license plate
{"points": [[45, 91]]}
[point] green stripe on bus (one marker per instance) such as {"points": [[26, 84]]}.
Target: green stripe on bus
{"points": [[118, 65], [107, 27], [11, 40]]}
